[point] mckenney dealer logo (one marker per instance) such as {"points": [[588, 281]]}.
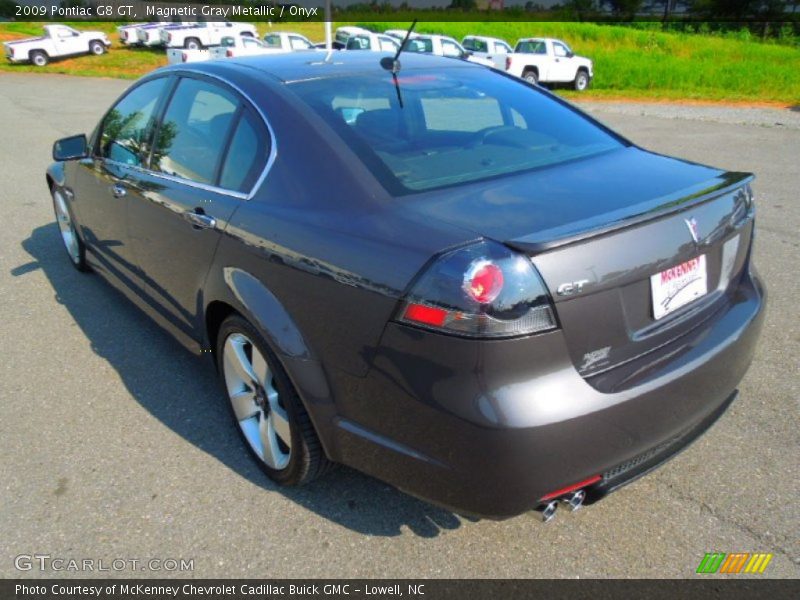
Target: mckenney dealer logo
{"points": [[738, 562]]}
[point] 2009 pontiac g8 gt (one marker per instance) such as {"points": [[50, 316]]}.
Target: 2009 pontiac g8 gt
{"points": [[437, 274]]}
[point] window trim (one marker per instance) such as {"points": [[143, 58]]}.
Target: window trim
{"points": [[245, 101]]}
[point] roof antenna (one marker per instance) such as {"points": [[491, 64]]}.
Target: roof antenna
{"points": [[393, 64]]}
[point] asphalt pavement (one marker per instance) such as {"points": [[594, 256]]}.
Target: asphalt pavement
{"points": [[116, 443]]}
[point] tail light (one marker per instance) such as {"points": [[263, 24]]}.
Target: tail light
{"points": [[484, 290], [508, 63], [184, 57], [229, 53], [169, 37]]}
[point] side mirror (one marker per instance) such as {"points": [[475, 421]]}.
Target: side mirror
{"points": [[71, 148], [570, 54]]}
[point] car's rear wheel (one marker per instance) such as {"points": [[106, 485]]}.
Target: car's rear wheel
{"points": [[267, 410], [581, 81], [76, 251], [531, 77], [97, 48], [193, 44], [39, 58]]}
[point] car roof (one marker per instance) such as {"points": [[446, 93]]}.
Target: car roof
{"points": [[484, 37], [299, 66]]}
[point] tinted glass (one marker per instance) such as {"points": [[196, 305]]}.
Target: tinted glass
{"points": [[476, 45], [247, 155], [457, 125], [532, 47], [128, 127], [272, 40], [358, 42], [194, 129]]}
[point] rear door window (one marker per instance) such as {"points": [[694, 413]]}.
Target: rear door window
{"points": [[196, 124]]}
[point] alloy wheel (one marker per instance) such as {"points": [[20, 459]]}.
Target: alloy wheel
{"points": [[66, 227], [256, 402]]}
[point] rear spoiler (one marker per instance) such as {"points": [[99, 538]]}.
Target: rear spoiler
{"points": [[542, 241]]}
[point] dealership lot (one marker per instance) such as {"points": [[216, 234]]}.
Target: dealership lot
{"points": [[117, 444]]}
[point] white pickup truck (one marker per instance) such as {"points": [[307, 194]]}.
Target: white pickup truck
{"points": [[442, 45], [149, 34], [230, 47], [287, 41], [375, 42], [547, 60], [493, 49], [127, 32], [57, 41], [205, 35]]}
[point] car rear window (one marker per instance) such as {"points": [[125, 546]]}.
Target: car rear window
{"points": [[455, 126]]}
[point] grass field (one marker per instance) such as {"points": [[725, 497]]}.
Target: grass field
{"points": [[629, 63]]}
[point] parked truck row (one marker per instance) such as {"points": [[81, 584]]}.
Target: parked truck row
{"points": [[537, 60]]}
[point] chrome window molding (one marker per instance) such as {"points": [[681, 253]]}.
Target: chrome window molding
{"points": [[273, 147]]}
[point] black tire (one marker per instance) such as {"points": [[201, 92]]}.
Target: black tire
{"points": [[97, 47], [39, 58], [531, 77], [76, 253], [192, 44], [582, 81], [307, 460]]}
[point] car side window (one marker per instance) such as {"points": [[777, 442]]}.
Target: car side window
{"points": [[247, 154], [388, 44], [450, 49], [191, 137], [127, 128], [559, 50], [298, 43]]}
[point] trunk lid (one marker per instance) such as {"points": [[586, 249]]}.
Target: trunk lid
{"points": [[599, 229]]}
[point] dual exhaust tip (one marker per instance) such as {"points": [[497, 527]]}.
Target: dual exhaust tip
{"points": [[573, 501]]}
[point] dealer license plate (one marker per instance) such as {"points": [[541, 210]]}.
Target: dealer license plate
{"points": [[678, 286]]}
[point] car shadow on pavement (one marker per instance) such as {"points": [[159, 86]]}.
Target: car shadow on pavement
{"points": [[183, 393]]}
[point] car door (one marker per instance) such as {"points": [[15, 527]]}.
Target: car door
{"points": [[562, 67], [451, 48], [69, 41], [104, 182], [209, 151], [297, 42]]}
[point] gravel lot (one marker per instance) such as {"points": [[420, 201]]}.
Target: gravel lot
{"points": [[130, 453]]}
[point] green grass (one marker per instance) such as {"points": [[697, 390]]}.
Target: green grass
{"points": [[651, 64], [629, 63]]}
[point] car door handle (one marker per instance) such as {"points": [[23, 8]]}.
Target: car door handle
{"points": [[200, 220], [118, 190]]}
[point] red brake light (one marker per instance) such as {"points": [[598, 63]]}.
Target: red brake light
{"points": [[229, 53], [484, 290], [508, 63], [184, 57], [483, 282], [427, 315]]}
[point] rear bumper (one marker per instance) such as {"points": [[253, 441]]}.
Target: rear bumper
{"points": [[489, 428]]}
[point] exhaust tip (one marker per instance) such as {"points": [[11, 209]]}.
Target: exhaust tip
{"points": [[548, 512], [575, 500]]}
